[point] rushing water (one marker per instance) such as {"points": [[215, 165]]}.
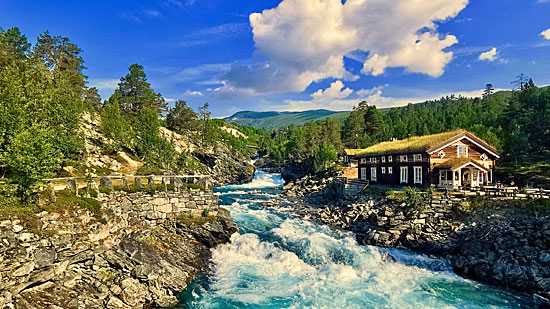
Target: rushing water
{"points": [[282, 261]]}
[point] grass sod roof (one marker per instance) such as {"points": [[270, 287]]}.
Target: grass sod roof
{"points": [[415, 143], [352, 152]]}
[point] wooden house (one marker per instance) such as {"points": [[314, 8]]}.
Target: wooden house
{"points": [[349, 157], [451, 160]]}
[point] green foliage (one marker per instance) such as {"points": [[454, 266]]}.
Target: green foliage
{"points": [[134, 93], [105, 190], [42, 98], [190, 220], [413, 197], [324, 155], [193, 186], [181, 117], [66, 200], [150, 146], [32, 157], [205, 212], [115, 125], [313, 145], [278, 120]]}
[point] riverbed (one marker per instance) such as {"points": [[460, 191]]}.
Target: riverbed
{"points": [[281, 260]]}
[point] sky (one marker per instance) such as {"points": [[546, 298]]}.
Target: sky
{"points": [[296, 55]]}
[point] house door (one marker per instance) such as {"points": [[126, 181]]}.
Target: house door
{"points": [[466, 177], [363, 173]]}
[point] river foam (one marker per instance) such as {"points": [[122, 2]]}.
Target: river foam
{"points": [[282, 261]]}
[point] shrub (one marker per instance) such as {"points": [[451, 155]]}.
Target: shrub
{"points": [[105, 190], [193, 186], [205, 212], [413, 197]]}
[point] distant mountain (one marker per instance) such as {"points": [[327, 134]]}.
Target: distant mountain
{"points": [[275, 120]]}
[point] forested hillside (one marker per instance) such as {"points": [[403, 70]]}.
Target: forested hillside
{"points": [[53, 124], [516, 122], [276, 120]]}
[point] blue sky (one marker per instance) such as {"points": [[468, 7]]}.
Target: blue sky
{"points": [[300, 54]]}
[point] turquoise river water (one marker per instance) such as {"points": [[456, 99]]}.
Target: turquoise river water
{"points": [[278, 260]]}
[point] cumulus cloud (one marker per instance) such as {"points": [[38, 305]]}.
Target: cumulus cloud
{"points": [[306, 41], [104, 83], [193, 93], [373, 96], [335, 91], [490, 55], [546, 34]]}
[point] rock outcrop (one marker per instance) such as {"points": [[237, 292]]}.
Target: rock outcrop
{"points": [[74, 259], [501, 243]]}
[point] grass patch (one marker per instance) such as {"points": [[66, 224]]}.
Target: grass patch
{"points": [[152, 188], [195, 220], [66, 200], [105, 190], [193, 186]]}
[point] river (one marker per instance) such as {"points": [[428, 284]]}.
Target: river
{"points": [[279, 260]]}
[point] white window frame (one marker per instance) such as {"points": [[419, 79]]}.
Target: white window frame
{"points": [[464, 151], [363, 160], [417, 175], [483, 157], [363, 173], [390, 159], [405, 157], [373, 174], [417, 157], [404, 174], [441, 154], [383, 170], [390, 170], [383, 159]]}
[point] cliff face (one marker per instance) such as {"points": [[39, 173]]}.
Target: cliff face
{"points": [[144, 253]]}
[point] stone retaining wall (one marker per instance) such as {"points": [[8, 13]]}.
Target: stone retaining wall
{"points": [[160, 206]]}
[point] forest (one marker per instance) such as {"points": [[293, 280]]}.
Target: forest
{"points": [[44, 95], [515, 122]]}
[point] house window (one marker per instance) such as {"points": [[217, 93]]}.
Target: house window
{"points": [[417, 157], [403, 158], [441, 154], [383, 159], [483, 157], [442, 175], [390, 170], [418, 174], [383, 170], [390, 159], [363, 173], [363, 160], [404, 174], [462, 151], [373, 173]]}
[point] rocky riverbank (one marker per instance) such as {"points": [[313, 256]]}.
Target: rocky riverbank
{"points": [[503, 243], [75, 258]]}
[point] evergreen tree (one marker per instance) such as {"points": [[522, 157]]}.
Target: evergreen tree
{"points": [[181, 117], [488, 91], [134, 93]]}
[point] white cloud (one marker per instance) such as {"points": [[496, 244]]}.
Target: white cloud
{"points": [[490, 55], [152, 13], [373, 96], [104, 83], [169, 100], [335, 91], [546, 33], [193, 93], [306, 41]]}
